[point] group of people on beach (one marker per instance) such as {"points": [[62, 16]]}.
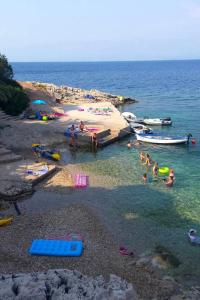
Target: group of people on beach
{"points": [[146, 160], [74, 136]]}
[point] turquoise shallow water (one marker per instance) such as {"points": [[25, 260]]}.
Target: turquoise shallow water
{"points": [[142, 215]]}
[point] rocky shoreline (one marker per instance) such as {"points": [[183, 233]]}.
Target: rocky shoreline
{"points": [[66, 94], [64, 284]]}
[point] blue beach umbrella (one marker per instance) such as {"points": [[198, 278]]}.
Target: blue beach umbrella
{"points": [[39, 101]]}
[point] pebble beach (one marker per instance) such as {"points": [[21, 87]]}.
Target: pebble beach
{"points": [[55, 208]]}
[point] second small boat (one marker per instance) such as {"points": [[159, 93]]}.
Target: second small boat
{"points": [[160, 139]]}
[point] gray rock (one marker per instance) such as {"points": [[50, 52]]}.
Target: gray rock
{"points": [[63, 285]]}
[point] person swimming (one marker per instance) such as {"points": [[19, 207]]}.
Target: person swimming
{"points": [[129, 145]]}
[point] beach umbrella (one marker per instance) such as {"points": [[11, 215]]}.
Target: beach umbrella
{"points": [[39, 102]]}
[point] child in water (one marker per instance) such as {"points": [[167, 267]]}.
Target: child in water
{"points": [[144, 177], [148, 160]]}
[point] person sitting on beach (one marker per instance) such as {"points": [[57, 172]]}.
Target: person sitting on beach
{"points": [[144, 177], [170, 181], [129, 145], [148, 161], [155, 169], [81, 126], [142, 156]]}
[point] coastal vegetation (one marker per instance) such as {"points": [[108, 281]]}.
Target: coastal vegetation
{"points": [[13, 100]]}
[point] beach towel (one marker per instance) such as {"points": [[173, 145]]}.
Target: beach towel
{"points": [[90, 129], [40, 172], [81, 181]]}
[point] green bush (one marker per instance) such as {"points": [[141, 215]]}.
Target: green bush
{"points": [[13, 100], [6, 71]]}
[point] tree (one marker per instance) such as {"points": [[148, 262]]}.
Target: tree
{"points": [[13, 100], [6, 71]]}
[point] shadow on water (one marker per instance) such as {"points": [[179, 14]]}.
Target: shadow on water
{"points": [[143, 220]]}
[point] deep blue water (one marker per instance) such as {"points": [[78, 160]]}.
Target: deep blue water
{"points": [[163, 88]]}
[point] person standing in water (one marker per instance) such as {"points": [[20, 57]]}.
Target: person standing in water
{"points": [[142, 157], [148, 161], [170, 181], [81, 126], [171, 173], [94, 141], [144, 177], [155, 169]]}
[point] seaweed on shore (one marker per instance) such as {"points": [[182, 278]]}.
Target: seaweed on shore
{"points": [[167, 256]]}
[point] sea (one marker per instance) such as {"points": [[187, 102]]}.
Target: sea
{"points": [[142, 216]]}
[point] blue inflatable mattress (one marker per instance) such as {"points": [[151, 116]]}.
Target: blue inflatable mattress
{"points": [[56, 248]]}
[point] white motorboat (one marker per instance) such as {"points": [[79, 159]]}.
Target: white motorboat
{"points": [[140, 128], [157, 121], [130, 117], [160, 139], [146, 130]]}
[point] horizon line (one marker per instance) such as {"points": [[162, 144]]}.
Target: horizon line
{"points": [[107, 61]]}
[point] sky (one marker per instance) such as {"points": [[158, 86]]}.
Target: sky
{"points": [[99, 30]]}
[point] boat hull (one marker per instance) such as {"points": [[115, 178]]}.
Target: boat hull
{"points": [[157, 122], [161, 139]]}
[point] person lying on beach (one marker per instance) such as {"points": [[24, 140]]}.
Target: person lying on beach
{"points": [[144, 177], [155, 169], [142, 157]]}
